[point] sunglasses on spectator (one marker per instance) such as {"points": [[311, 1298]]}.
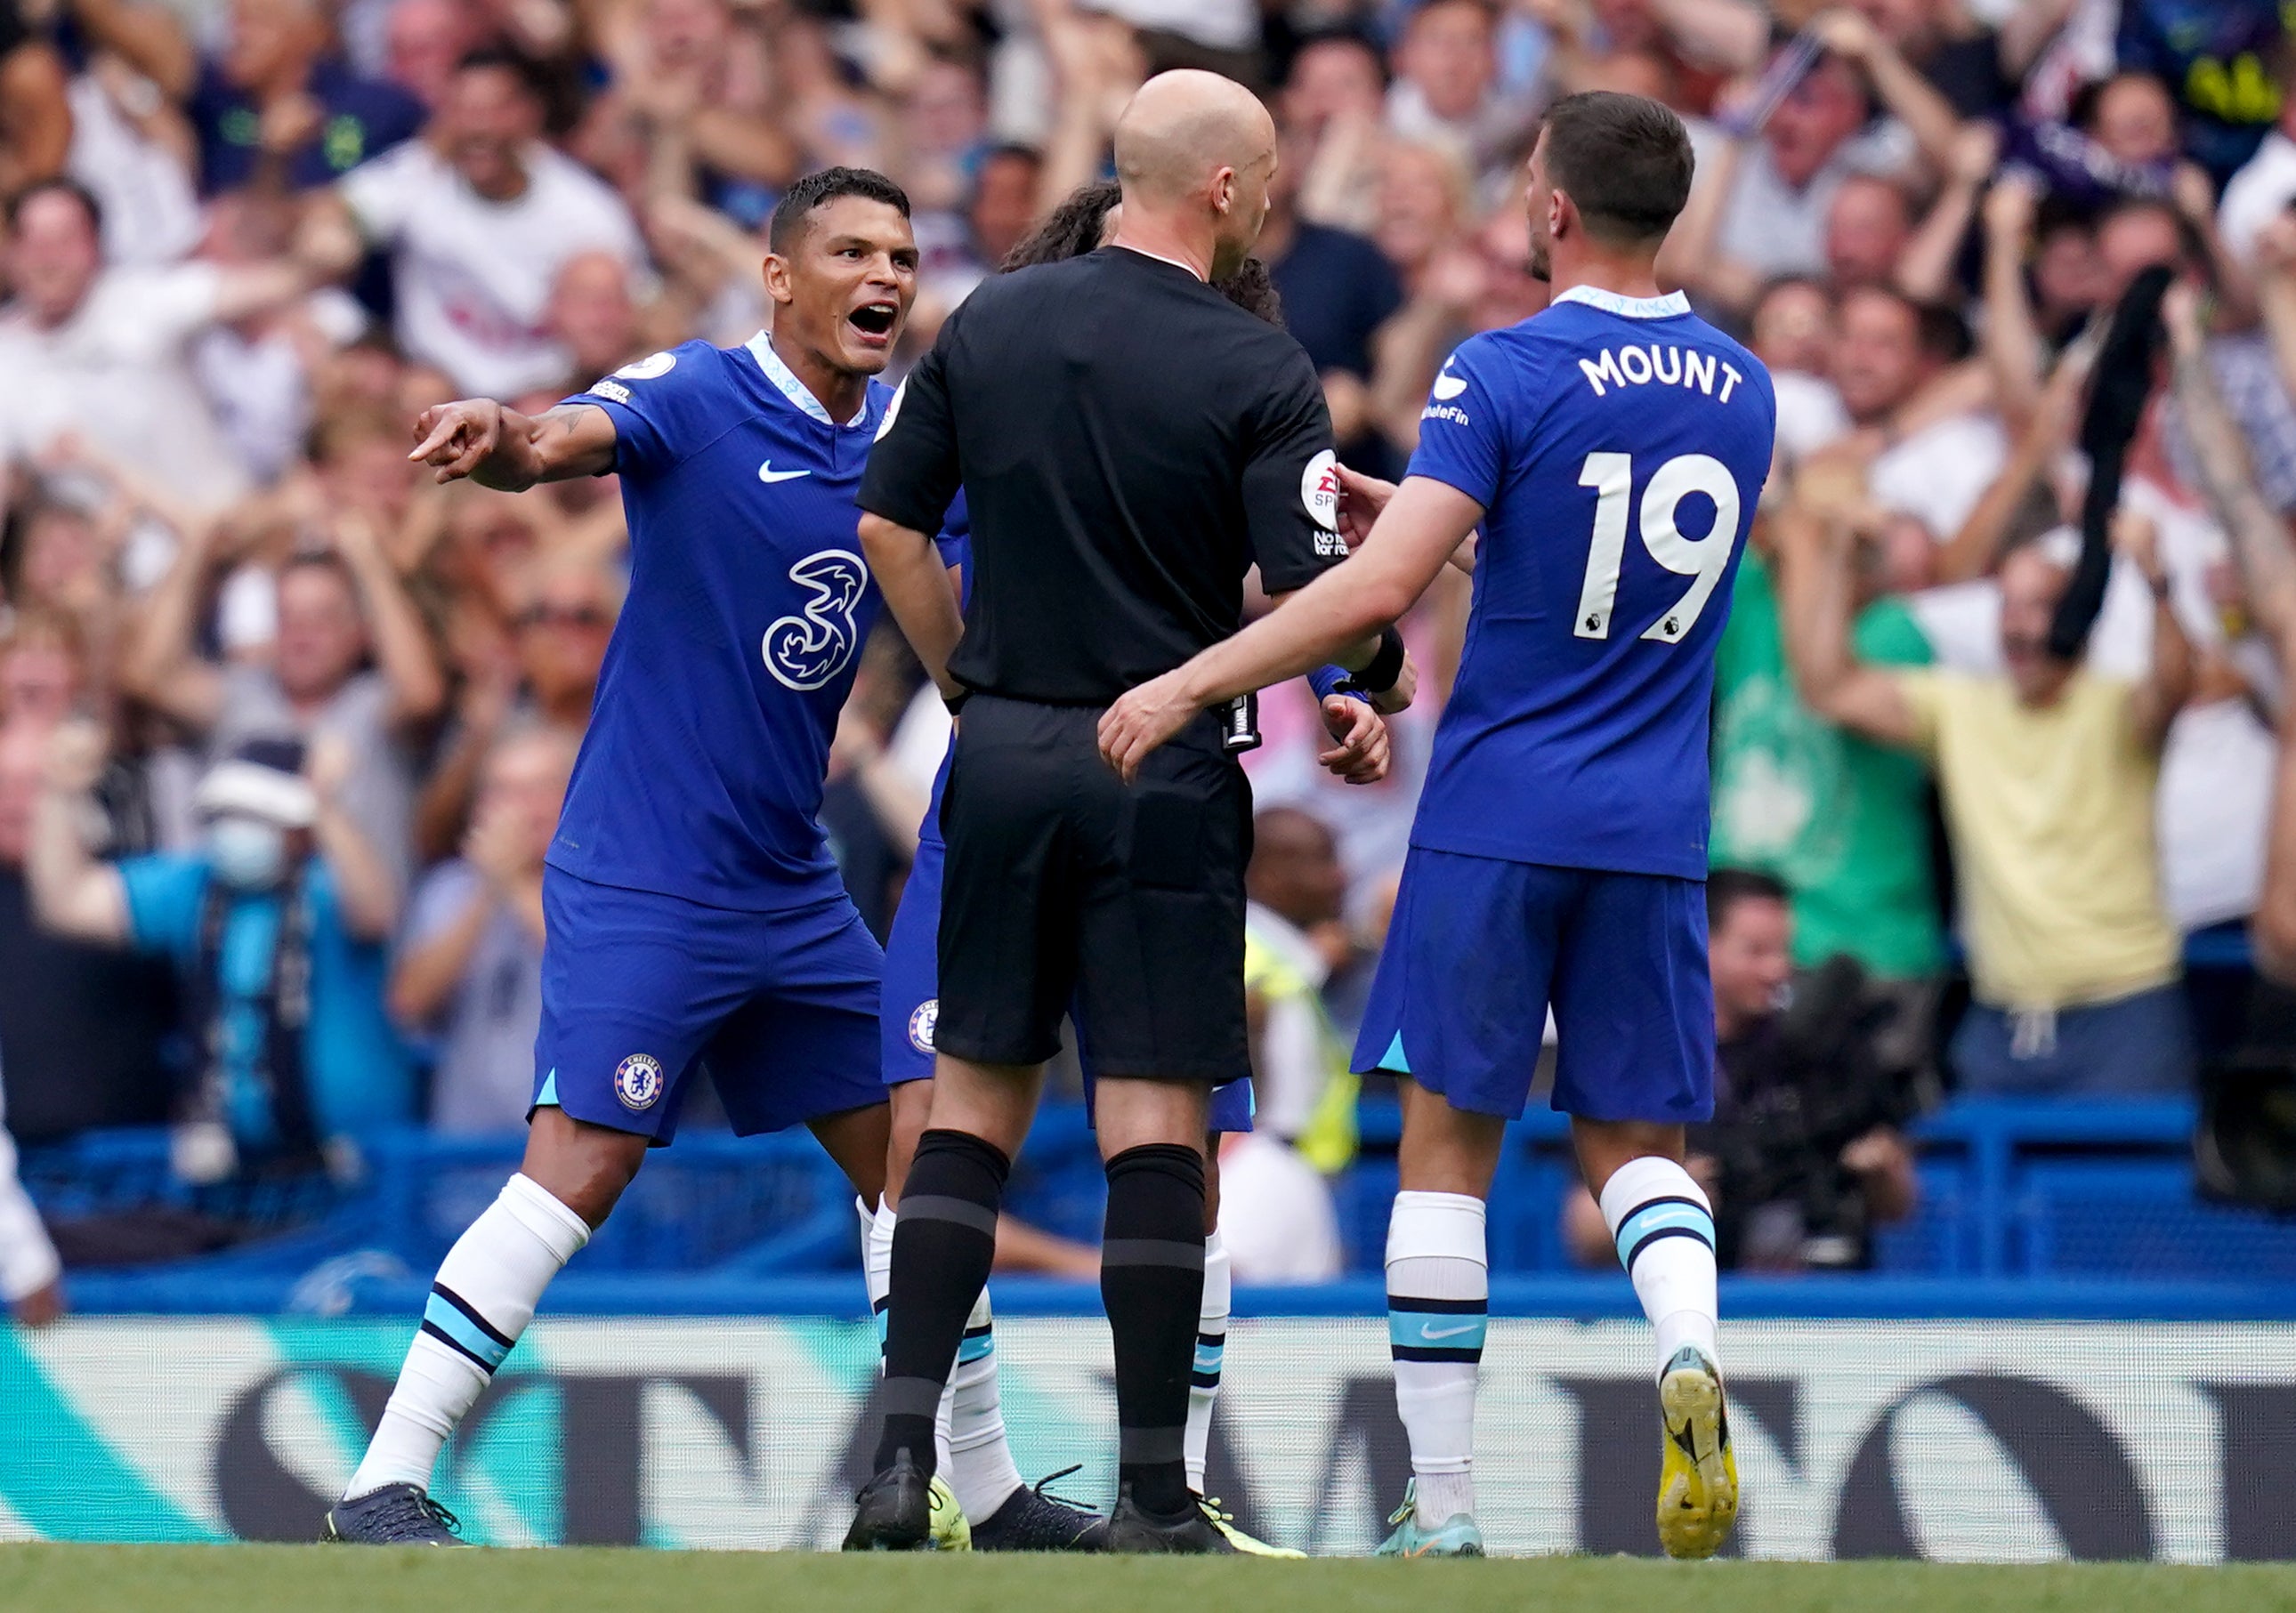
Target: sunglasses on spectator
{"points": [[563, 615]]}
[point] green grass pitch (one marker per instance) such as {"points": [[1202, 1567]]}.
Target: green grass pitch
{"points": [[317, 1579]]}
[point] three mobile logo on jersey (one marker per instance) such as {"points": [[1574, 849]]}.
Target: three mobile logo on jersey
{"points": [[805, 650]]}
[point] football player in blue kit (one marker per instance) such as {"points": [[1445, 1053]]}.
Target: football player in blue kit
{"points": [[1611, 451], [977, 1460], [694, 918]]}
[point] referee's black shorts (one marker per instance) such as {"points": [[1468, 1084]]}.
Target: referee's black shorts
{"points": [[1063, 884]]}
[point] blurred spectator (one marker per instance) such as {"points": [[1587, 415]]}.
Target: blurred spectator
{"points": [[479, 217], [277, 109], [1761, 209], [31, 1282], [2218, 51], [469, 969], [131, 145], [1296, 939], [423, 41], [81, 1026], [337, 605], [1804, 1157], [696, 81], [593, 316], [35, 131], [2048, 773], [565, 610], [1338, 290], [101, 353], [1446, 91], [1841, 822], [276, 927]]}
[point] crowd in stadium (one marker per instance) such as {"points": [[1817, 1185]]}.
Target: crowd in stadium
{"points": [[247, 241]]}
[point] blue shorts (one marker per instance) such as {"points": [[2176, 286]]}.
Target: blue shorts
{"points": [[911, 1000], [1481, 946], [638, 989]]}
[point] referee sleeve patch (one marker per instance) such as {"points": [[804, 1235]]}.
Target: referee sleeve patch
{"points": [[1319, 493]]}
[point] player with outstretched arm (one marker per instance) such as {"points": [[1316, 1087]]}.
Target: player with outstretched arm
{"points": [[1612, 450], [694, 917]]}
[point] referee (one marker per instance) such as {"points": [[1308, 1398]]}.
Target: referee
{"points": [[1129, 444]]}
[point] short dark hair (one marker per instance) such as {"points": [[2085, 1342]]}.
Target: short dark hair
{"points": [[1624, 160], [522, 68], [822, 187], [60, 184], [1725, 888]]}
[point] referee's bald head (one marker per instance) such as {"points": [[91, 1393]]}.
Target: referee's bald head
{"points": [[1193, 141]]}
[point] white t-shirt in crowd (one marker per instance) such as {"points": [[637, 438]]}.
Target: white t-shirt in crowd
{"points": [[117, 373], [1774, 227], [150, 213], [1937, 474], [473, 276], [2258, 193], [1810, 415], [1275, 1214]]}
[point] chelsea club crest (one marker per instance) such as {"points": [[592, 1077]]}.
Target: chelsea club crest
{"points": [[638, 1081], [921, 1024]]}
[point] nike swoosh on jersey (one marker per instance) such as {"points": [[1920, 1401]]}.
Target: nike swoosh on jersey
{"points": [[1431, 1333], [767, 473]]}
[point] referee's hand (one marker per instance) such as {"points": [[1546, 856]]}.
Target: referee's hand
{"points": [[1361, 754], [1142, 720]]}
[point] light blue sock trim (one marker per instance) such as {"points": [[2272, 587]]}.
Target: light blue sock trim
{"points": [[1656, 1217], [1412, 1329], [447, 1319]]}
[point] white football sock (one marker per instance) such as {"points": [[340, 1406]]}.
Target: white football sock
{"points": [[485, 1295], [1664, 1228], [1211, 1346], [1438, 1309], [978, 1463]]}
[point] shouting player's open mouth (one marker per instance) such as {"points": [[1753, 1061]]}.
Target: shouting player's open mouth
{"points": [[874, 322]]}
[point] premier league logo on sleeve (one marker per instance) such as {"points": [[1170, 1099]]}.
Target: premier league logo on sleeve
{"points": [[638, 1081]]}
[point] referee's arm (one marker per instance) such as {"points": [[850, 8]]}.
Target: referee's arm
{"points": [[912, 479], [1332, 616]]}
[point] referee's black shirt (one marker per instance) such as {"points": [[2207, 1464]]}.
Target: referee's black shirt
{"points": [[1129, 443]]}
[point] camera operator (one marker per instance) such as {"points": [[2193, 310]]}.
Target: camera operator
{"points": [[1803, 1158]]}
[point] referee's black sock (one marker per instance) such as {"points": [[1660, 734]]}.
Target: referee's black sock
{"points": [[1152, 1280], [943, 1245]]}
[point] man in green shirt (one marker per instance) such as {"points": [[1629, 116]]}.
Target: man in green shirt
{"points": [[1842, 822]]}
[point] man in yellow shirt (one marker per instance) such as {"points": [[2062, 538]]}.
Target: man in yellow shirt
{"points": [[2047, 772]]}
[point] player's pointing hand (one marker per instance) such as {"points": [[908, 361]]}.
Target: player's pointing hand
{"points": [[1142, 720], [455, 438]]}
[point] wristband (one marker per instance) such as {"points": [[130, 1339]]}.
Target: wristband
{"points": [[1386, 666], [1328, 680]]}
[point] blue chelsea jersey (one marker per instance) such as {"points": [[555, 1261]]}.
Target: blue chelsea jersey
{"points": [[749, 602], [1619, 446]]}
